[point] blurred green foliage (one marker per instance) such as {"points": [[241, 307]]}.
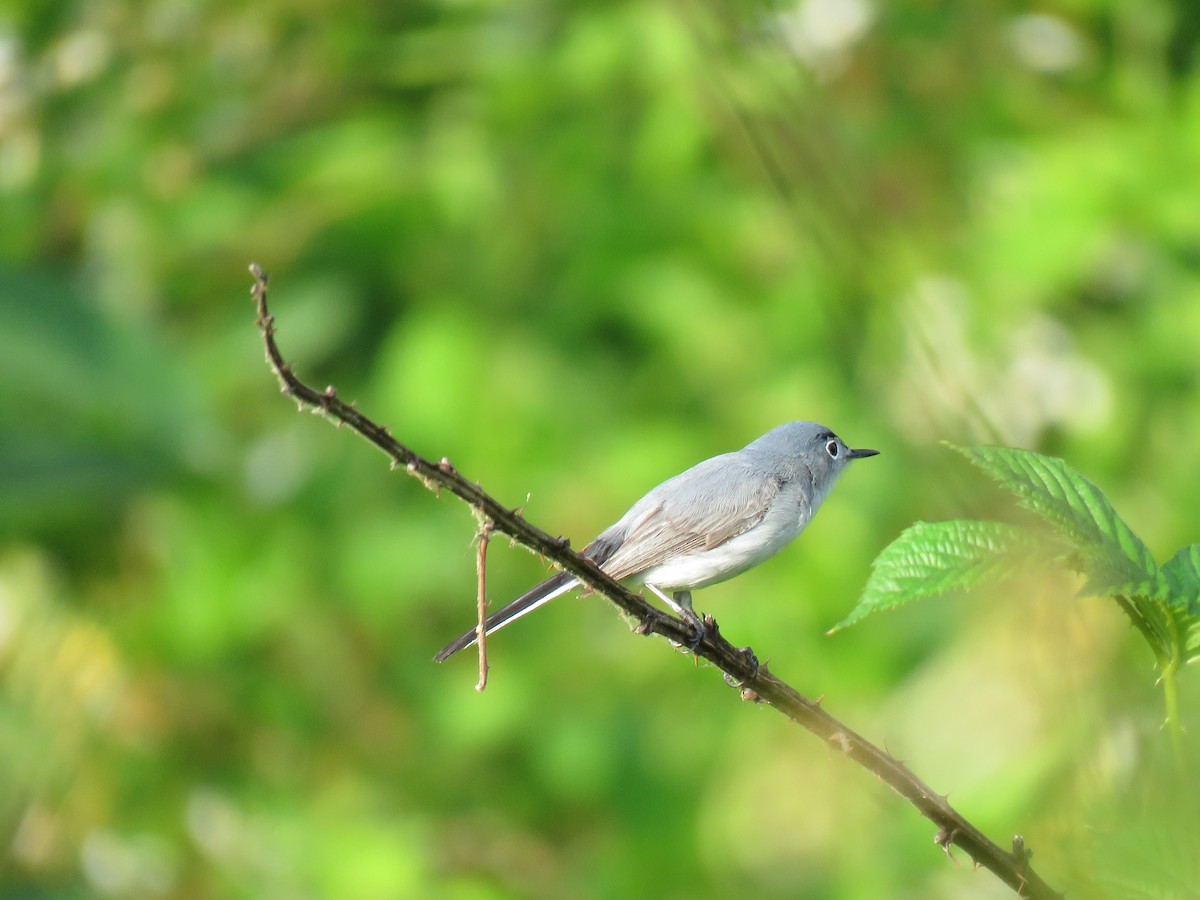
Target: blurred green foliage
{"points": [[576, 248]]}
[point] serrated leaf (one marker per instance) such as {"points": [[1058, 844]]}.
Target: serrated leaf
{"points": [[1115, 560], [931, 558], [1182, 574], [1192, 645]]}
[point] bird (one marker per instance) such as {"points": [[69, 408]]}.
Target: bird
{"points": [[717, 519]]}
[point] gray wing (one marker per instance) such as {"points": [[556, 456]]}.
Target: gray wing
{"points": [[702, 508]]}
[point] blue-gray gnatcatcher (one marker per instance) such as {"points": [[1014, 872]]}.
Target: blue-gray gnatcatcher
{"points": [[716, 520]]}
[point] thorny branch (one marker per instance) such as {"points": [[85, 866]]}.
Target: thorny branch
{"points": [[739, 665]]}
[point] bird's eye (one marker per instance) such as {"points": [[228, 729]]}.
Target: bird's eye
{"points": [[832, 449]]}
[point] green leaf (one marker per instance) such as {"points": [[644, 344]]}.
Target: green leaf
{"points": [[928, 559], [1114, 559], [1192, 645], [1182, 574]]}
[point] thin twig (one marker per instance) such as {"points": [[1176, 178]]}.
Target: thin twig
{"points": [[739, 665], [485, 531]]}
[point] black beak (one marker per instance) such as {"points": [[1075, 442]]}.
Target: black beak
{"points": [[862, 454]]}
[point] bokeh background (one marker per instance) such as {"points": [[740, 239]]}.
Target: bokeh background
{"points": [[576, 248]]}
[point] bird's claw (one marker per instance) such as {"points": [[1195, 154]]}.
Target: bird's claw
{"points": [[700, 628]]}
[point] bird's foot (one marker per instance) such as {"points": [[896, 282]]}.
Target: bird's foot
{"points": [[700, 628]]}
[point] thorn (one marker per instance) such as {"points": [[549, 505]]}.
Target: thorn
{"points": [[750, 696], [445, 465], [330, 392], [642, 627], [1020, 852], [898, 761], [819, 700], [945, 840]]}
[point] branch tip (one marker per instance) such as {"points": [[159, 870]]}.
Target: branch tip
{"points": [[484, 534]]}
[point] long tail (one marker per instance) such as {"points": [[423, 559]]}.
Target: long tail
{"points": [[552, 587], [599, 551]]}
